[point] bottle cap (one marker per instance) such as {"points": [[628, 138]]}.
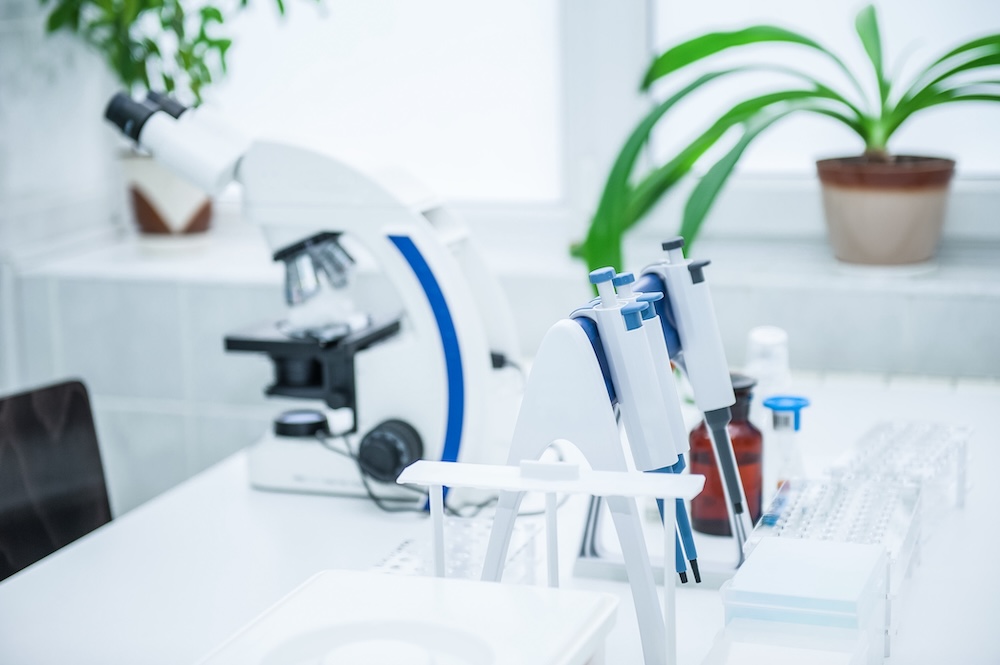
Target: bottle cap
{"points": [[788, 403]]}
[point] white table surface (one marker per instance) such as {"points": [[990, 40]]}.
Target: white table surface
{"points": [[172, 579]]}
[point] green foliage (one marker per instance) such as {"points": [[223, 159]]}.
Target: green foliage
{"points": [[628, 195], [152, 44]]}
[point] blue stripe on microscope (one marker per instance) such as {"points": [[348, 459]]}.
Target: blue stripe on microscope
{"points": [[449, 342]]}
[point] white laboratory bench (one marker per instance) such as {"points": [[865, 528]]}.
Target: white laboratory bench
{"points": [[173, 578]]}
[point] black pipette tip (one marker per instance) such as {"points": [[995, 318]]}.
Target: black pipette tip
{"points": [[694, 569], [684, 578]]}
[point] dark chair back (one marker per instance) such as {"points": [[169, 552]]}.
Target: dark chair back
{"points": [[52, 488]]}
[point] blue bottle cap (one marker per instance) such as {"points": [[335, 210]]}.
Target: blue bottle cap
{"points": [[623, 278], [602, 275], [791, 403], [632, 313]]}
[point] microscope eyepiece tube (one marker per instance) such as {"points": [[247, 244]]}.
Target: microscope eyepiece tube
{"points": [[167, 104], [191, 151], [129, 115]]}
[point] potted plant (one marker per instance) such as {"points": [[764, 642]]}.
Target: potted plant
{"points": [[155, 45], [880, 208]]}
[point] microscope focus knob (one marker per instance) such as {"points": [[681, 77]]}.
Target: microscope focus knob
{"points": [[388, 449]]}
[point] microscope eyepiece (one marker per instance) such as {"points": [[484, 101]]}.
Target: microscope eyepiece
{"points": [[128, 114], [166, 103]]}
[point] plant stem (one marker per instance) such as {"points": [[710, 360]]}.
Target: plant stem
{"points": [[876, 154]]}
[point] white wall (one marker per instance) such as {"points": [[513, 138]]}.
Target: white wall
{"points": [[57, 170], [465, 95], [58, 180]]}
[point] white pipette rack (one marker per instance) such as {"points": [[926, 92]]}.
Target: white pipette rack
{"points": [[551, 478]]}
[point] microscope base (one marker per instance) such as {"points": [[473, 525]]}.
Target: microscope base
{"points": [[292, 465], [285, 464]]}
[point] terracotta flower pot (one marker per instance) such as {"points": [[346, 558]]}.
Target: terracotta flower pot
{"points": [[885, 213], [163, 204]]}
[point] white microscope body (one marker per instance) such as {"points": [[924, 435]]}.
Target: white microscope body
{"points": [[428, 360]]}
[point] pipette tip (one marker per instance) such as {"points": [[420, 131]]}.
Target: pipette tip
{"points": [[694, 569], [684, 577]]}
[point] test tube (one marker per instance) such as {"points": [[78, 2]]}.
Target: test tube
{"points": [[786, 413]]}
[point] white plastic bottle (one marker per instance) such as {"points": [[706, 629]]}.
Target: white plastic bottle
{"points": [[767, 362]]}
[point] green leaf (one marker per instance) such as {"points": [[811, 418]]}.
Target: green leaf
{"points": [[169, 85], [916, 99], [209, 14], [222, 45], [942, 68], [661, 180], [866, 25], [696, 49], [64, 15], [143, 74], [989, 58], [130, 10], [620, 207], [988, 40], [707, 190], [699, 48], [602, 245], [281, 6], [184, 58], [981, 91]]}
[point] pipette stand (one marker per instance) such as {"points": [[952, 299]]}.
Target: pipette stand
{"points": [[620, 487], [566, 398]]}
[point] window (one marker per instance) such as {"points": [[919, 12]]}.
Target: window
{"points": [[464, 95]]}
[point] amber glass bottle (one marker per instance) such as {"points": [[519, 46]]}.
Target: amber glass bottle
{"points": [[709, 513]]}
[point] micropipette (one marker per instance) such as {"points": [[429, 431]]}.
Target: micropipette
{"points": [[684, 532], [704, 361]]}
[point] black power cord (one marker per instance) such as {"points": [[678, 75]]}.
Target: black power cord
{"points": [[326, 440], [501, 360]]}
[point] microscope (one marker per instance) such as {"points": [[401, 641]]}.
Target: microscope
{"points": [[419, 369]]}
